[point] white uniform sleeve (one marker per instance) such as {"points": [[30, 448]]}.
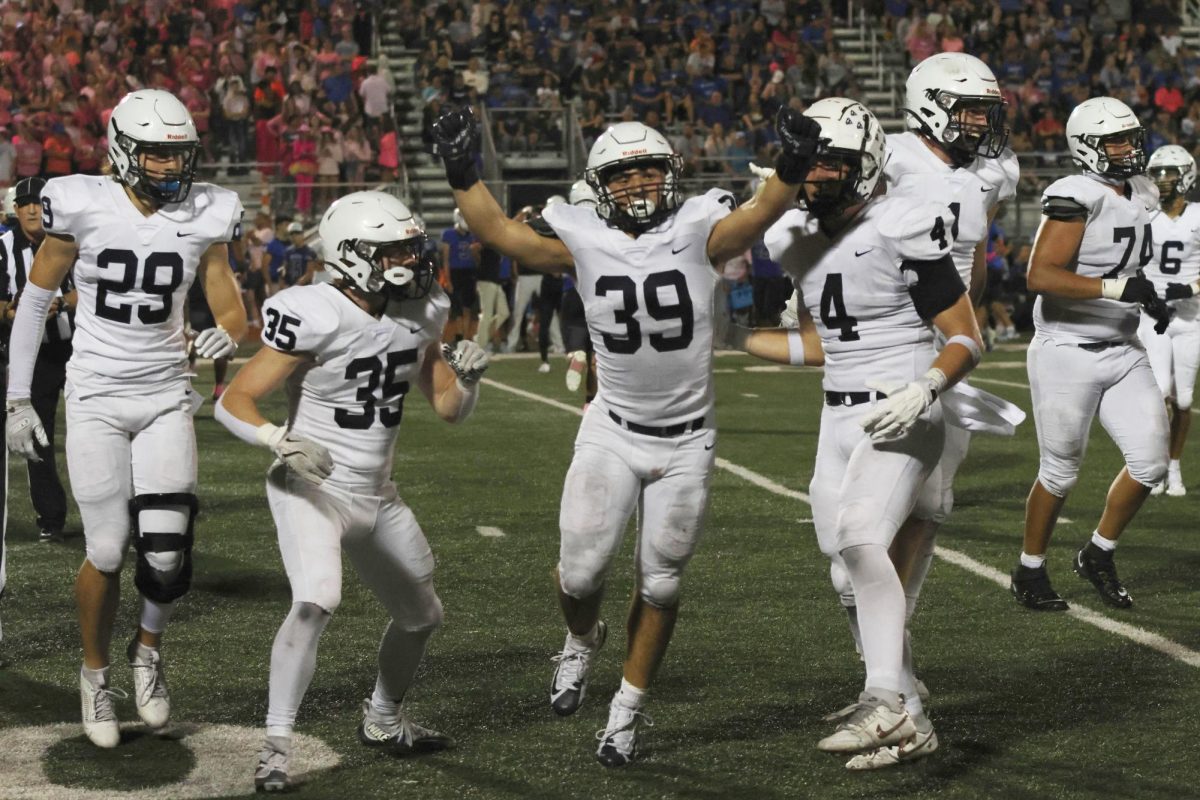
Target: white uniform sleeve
{"points": [[299, 320], [1010, 170], [719, 203], [920, 232], [62, 201], [1071, 198]]}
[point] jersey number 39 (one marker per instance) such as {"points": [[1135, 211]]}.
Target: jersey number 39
{"points": [[681, 309]]}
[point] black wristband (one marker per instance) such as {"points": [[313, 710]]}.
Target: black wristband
{"points": [[791, 169], [461, 174]]}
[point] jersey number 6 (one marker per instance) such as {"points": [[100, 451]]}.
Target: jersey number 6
{"points": [[681, 310]]}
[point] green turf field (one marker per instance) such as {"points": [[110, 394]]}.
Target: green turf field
{"points": [[1025, 705]]}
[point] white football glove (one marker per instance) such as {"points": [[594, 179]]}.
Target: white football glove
{"points": [[762, 173], [790, 316], [894, 417], [308, 459], [468, 360], [215, 343], [23, 431]]}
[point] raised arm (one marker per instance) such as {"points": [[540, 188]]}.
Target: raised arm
{"points": [[457, 136], [736, 233]]}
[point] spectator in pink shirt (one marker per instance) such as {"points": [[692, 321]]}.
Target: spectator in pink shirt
{"points": [[922, 43]]}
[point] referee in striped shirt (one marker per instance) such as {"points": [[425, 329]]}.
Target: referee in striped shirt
{"points": [[17, 248]]}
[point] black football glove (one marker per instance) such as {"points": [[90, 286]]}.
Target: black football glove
{"points": [[1180, 291], [1138, 290], [800, 137], [456, 134], [1160, 312]]}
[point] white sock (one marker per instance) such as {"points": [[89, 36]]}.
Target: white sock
{"points": [[141, 652], [631, 696], [400, 654], [96, 677], [880, 600], [293, 661], [1107, 545], [912, 698], [1174, 469], [855, 631], [1032, 562], [155, 615], [588, 640]]}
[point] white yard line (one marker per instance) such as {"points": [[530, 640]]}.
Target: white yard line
{"points": [[1133, 633], [489, 531]]}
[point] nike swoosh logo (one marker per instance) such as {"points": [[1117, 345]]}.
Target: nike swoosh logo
{"points": [[675, 252], [864, 252], [984, 189], [709, 446], [882, 734], [181, 235], [413, 330]]}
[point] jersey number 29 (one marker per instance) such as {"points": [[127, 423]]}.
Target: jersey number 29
{"points": [[149, 284]]}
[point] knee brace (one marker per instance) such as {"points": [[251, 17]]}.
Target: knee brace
{"points": [[163, 536]]}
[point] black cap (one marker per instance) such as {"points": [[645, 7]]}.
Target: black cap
{"points": [[29, 190]]}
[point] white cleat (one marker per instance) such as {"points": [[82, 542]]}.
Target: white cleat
{"points": [[271, 774], [544, 367], [842, 713], [1176, 489], [569, 684], [1158, 488], [619, 739], [919, 745], [149, 687], [99, 717], [873, 724]]}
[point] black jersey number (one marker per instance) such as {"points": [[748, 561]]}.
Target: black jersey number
{"points": [[280, 329], [1128, 235], [630, 341], [833, 308], [1168, 265], [153, 281], [376, 368]]}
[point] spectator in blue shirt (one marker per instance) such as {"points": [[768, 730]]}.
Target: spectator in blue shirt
{"points": [[275, 250], [714, 111], [299, 260], [460, 253]]}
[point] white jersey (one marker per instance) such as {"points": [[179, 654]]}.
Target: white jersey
{"points": [[857, 291], [971, 192], [133, 273], [1177, 255], [351, 398], [648, 303], [1117, 242]]}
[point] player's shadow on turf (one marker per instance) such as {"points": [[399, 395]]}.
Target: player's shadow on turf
{"points": [[241, 584]]}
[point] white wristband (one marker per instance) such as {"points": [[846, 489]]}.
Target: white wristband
{"points": [[269, 435], [795, 347], [969, 343], [1112, 288]]}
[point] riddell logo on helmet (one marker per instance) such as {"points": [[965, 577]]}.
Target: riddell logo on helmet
{"points": [[177, 136], [634, 152]]}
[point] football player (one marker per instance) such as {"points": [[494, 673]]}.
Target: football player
{"points": [[643, 264], [349, 352], [1175, 272], [875, 279], [137, 240], [954, 150], [1085, 359]]}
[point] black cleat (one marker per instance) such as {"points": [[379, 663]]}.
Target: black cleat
{"points": [[1097, 566], [1031, 587]]}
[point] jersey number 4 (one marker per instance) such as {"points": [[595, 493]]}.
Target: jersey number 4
{"points": [[171, 265], [375, 368], [681, 309], [833, 308]]}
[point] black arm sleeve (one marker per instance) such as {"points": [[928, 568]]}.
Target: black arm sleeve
{"points": [[1064, 209], [542, 228], [937, 288]]}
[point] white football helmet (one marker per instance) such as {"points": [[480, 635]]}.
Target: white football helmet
{"points": [[372, 240], [623, 146], [581, 194], [152, 120], [1168, 159], [850, 135], [940, 88], [1096, 122], [555, 199], [10, 202]]}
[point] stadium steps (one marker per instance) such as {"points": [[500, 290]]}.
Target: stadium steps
{"points": [[875, 66]]}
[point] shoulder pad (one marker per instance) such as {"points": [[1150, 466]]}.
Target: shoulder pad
{"points": [[919, 230], [63, 202], [1064, 209], [300, 319]]}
